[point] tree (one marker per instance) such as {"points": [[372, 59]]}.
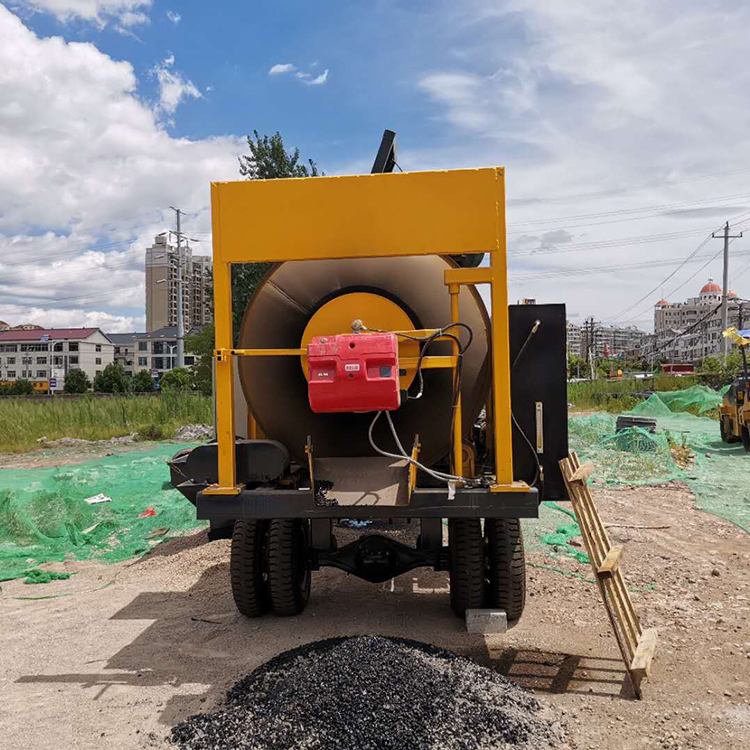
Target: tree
{"points": [[268, 160], [112, 380], [142, 382], [22, 387], [76, 381], [577, 367], [202, 345], [177, 379]]}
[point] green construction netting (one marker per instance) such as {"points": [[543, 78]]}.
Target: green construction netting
{"points": [[665, 403], [684, 447], [44, 516]]}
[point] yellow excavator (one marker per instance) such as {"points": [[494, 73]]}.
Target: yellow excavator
{"points": [[734, 423]]}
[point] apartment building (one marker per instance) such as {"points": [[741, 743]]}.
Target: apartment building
{"points": [[688, 331], [573, 339], [48, 354], [157, 351], [163, 264], [610, 341], [125, 349]]}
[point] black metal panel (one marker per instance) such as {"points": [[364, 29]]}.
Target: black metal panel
{"points": [[257, 461], [386, 156], [425, 503], [540, 375]]}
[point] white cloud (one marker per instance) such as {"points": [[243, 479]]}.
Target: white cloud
{"points": [[99, 12], [281, 68], [174, 17], [302, 75], [86, 164], [173, 88], [586, 97], [318, 80]]}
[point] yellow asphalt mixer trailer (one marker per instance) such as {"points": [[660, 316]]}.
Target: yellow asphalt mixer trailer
{"points": [[470, 433]]}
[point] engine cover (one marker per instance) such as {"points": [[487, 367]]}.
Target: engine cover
{"points": [[353, 372]]}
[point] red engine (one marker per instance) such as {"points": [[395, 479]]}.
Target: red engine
{"points": [[353, 372]]}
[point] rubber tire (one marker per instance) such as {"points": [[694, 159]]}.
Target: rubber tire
{"points": [[289, 577], [505, 566], [466, 546], [746, 439], [723, 431], [247, 569]]}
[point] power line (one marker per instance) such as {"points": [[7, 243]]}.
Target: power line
{"points": [[107, 293], [646, 296], [687, 330], [605, 214], [608, 269], [606, 244], [615, 191]]}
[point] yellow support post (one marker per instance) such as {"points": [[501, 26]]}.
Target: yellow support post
{"points": [[458, 443], [501, 350], [225, 432]]}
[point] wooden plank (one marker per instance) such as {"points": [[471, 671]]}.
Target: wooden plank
{"points": [[640, 667], [611, 561], [605, 561], [582, 474]]}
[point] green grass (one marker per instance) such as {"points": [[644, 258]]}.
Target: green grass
{"points": [[615, 395], [24, 421]]}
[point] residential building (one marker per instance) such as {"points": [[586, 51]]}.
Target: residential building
{"points": [[196, 271], [4, 326], [611, 341], [573, 339], [43, 354], [688, 331], [125, 349], [157, 351]]}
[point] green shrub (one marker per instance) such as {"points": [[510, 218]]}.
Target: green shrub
{"points": [[22, 387], [151, 432], [178, 379], [142, 382], [76, 381], [112, 380]]}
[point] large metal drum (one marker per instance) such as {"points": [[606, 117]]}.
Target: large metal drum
{"points": [[298, 299]]}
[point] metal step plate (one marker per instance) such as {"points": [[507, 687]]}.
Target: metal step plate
{"points": [[365, 481]]}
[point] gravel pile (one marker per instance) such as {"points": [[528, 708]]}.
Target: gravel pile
{"points": [[368, 692], [194, 432]]}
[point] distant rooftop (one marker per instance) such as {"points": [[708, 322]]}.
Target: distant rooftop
{"points": [[52, 334], [123, 338], [167, 332]]}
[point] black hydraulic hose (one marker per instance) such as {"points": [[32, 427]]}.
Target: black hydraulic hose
{"points": [[538, 474]]}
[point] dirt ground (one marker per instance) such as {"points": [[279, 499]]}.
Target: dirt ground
{"points": [[125, 651]]}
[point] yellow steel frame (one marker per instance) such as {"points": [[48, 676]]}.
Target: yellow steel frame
{"points": [[382, 215]]}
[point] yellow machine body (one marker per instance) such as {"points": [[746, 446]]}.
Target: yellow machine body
{"points": [[327, 219]]}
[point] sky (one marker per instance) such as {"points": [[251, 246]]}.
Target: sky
{"points": [[624, 128]]}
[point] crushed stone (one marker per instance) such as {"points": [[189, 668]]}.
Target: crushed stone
{"points": [[369, 692], [193, 432]]}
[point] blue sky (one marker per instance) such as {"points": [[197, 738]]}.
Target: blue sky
{"points": [[113, 110], [371, 49]]}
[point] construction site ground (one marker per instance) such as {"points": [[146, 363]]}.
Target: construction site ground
{"points": [[117, 654]]}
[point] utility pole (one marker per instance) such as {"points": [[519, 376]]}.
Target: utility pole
{"points": [[725, 285], [591, 346], [180, 317]]}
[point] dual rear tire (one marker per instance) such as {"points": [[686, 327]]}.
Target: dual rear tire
{"points": [[268, 566], [487, 568]]}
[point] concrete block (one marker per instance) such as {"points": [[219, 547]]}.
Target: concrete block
{"points": [[486, 621]]}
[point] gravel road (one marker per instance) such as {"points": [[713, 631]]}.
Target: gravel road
{"points": [[124, 653]]}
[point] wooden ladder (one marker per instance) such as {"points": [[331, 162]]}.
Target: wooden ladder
{"points": [[637, 646]]}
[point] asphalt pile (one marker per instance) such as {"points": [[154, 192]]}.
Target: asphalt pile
{"points": [[369, 692]]}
